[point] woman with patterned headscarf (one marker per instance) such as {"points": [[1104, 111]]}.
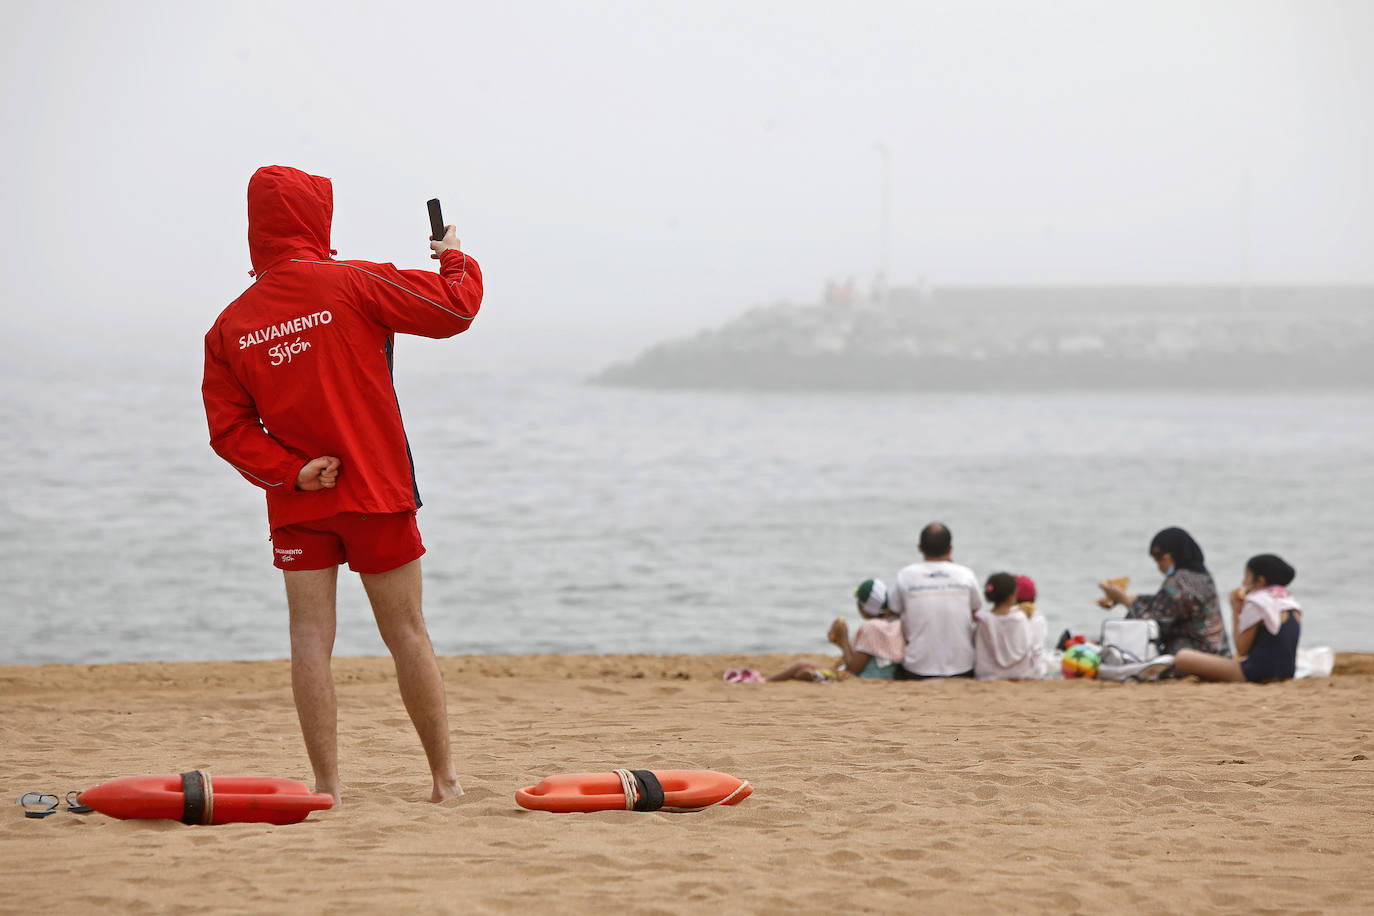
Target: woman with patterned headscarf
{"points": [[1186, 604]]}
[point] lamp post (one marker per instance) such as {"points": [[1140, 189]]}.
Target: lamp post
{"points": [[1247, 194], [885, 225]]}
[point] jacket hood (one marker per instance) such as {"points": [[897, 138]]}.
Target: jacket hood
{"points": [[289, 215]]}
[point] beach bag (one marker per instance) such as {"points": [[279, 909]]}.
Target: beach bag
{"points": [[1137, 640]]}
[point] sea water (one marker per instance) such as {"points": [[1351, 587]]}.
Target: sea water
{"points": [[563, 517]]}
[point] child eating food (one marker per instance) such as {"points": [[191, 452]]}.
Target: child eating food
{"points": [[1266, 622]]}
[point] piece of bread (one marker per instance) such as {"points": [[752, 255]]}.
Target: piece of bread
{"points": [[838, 622], [1120, 582]]}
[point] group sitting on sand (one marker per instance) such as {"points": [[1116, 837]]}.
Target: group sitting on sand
{"points": [[935, 622], [1265, 618]]}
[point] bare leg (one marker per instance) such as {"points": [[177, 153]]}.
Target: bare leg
{"points": [[797, 671], [395, 598], [310, 598], [1208, 667]]}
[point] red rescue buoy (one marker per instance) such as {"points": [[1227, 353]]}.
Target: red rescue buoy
{"points": [[195, 798], [637, 790]]}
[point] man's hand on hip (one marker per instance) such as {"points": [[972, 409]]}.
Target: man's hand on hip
{"points": [[319, 474]]}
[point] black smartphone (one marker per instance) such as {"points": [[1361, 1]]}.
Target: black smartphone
{"points": [[436, 220]]}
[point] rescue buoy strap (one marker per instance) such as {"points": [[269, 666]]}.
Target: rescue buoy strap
{"points": [[650, 791], [743, 784], [196, 798]]}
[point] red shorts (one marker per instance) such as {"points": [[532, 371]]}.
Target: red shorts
{"points": [[375, 543]]}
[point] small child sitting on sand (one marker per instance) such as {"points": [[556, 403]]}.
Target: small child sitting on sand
{"points": [[877, 647], [1007, 644], [878, 642], [1025, 594]]}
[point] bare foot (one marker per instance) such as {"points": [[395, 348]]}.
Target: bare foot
{"points": [[444, 789], [329, 791]]}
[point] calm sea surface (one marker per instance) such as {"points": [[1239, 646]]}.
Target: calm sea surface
{"points": [[566, 518]]}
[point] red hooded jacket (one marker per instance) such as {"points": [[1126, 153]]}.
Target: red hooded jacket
{"points": [[299, 366]]}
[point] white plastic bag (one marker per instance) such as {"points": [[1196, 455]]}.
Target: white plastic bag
{"points": [[1315, 662]]}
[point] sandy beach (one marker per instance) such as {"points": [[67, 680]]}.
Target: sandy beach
{"points": [[1064, 796]]}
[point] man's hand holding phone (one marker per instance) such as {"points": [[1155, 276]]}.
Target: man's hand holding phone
{"points": [[441, 237], [450, 240]]}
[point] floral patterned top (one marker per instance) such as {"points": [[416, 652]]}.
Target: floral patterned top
{"points": [[1188, 612]]}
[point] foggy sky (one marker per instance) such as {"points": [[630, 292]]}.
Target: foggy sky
{"points": [[630, 171]]}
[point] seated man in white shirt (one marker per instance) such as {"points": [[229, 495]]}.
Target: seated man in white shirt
{"points": [[937, 600]]}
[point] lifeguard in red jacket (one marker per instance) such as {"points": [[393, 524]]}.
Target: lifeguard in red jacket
{"points": [[299, 399]]}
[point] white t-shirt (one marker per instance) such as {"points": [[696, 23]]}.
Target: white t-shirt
{"points": [[1008, 646], [936, 599]]}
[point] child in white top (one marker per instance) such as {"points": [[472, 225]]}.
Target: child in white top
{"points": [[1007, 644]]}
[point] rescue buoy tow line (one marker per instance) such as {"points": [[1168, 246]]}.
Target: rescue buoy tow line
{"points": [[634, 790], [194, 798]]}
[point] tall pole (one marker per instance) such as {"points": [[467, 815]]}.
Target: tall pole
{"points": [[885, 226], [1247, 197]]}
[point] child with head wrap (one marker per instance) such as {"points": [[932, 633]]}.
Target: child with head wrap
{"points": [[1267, 622]]}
